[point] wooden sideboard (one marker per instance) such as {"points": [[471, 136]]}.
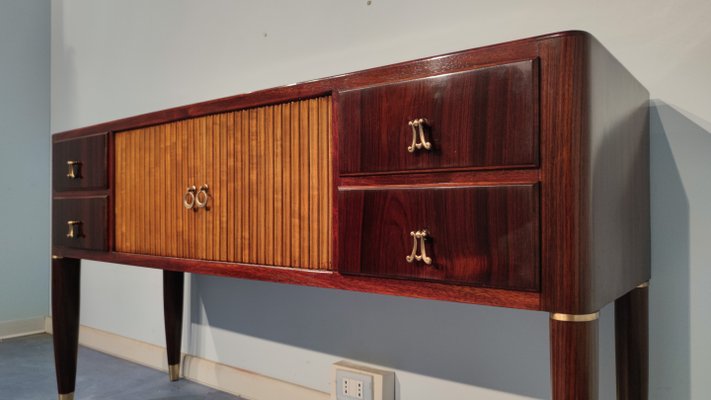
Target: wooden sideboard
{"points": [[513, 175]]}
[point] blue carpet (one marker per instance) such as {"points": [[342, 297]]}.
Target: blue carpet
{"points": [[27, 373]]}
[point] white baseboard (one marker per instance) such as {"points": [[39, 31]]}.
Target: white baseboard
{"points": [[22, 327], [222, 377]]}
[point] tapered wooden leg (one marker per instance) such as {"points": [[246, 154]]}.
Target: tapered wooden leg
{"points": [[173, 314], [574, 356], [65, 322], [632, 344]]}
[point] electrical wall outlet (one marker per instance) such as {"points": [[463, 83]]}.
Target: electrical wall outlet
{"points": [[357, 382]]}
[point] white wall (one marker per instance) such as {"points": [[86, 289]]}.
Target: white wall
{"points": [[24, 159], [113, 59]]}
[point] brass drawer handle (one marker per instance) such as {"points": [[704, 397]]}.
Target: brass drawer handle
{"points": [[203, 191], [74, 229], [421, 236], [418, 129], [74, 169], [189, 197]]}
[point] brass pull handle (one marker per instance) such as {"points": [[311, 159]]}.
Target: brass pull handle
{"points": [[203, 191], [418, 130], [421, 236], [74, 169], [189, 197], [74, 229]]}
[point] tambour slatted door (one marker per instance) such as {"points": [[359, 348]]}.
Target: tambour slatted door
{"points": [[269, 177]]}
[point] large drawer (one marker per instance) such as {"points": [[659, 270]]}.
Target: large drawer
{"points": [[80, 223], [80, 164], [484, 236], [483, 118]]}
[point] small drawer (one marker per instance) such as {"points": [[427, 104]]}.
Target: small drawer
{"points": [[80, 164], [80, 223], [483, 236], [479, 119]]}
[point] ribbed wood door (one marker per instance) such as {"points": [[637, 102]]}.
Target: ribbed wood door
{"points": [[269, 174]]}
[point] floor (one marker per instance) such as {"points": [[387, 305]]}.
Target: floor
{"points": [[27, 373]]}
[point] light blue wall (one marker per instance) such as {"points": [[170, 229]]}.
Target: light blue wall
{"points": [[24, 158]]}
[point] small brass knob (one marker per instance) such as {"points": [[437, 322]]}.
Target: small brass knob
{"points": [[74, 169], [74, 229]]}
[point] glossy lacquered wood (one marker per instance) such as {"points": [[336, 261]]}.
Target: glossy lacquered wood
{"points": [[484, 118], [269, 176], [89, 215], [90, 172], [65, 320], [325, 279], [481, 235], [556, 114], [574, 360], [173, 284], [632, 344], [595, 177]]}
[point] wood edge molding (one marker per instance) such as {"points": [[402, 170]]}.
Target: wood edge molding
{"points": [[219, 376], [329, 280], [21, 327]]}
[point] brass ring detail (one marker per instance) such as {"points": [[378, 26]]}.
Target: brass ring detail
{"points": [[56, 257], [203, 190], [643, 285], [68, 396], [189, 198], [575, 317]]}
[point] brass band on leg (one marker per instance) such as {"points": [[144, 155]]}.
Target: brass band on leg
{"points": [[68, 396], [174, 372], [643, 285], [575, 317]]}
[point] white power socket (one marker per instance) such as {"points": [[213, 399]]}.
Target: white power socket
{"points": [[358, 382], [352, 387]]}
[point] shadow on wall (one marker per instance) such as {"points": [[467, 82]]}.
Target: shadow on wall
{"points": [[481, 346], [675, 140], [505, 350]]}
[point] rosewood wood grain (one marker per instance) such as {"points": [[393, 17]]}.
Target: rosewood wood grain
{"points": [[574, 360], [632, 344], [65, 321], [91, 172], [483, 118], [485, 236], [595, 168], [173, 283], [90, 215], [268, 174], [440, 179], [585, 150], [324, 279]]}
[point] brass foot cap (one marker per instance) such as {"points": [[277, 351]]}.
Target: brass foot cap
{"points": [[68, 396], [575, 317], [174, 372]]}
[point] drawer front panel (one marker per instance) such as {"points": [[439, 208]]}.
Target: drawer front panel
{"points": [[80, 164], [484, 118], [80, 223], [484, 236], [269, 177]]}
